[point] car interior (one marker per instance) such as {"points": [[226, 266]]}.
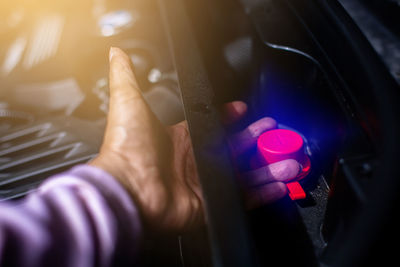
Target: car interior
{"points": [[327, 70]]}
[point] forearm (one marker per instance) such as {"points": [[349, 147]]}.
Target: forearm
{"points": [[82, 217]]}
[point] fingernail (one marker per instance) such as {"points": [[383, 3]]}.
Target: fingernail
{"points": [[240, 108], [111, 53]]}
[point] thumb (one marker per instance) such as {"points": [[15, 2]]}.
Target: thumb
{"points": [[127, 106], [123, 84]]}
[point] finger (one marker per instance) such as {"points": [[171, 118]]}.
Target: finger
{"points": [[256, 160], [247, 139], [129, 113], [282, 171], [123, 84], [127, 106], [265, 194], [232, 112]]}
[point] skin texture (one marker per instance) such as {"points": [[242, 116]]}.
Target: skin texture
{"points": [[156, 163]]}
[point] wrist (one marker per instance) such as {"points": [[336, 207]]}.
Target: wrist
{"points": [[115, 168]]}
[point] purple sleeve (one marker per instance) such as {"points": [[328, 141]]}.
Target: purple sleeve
{"points": [[82, 217]]}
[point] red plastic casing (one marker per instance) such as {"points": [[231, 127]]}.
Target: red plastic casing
{"points": [[282, 144]]}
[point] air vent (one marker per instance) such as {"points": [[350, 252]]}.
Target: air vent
{"points": [[31, 144], [24, 135], [31, 154]]}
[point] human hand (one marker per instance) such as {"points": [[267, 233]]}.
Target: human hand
{"points": [[261, 184], [156, 164]]}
